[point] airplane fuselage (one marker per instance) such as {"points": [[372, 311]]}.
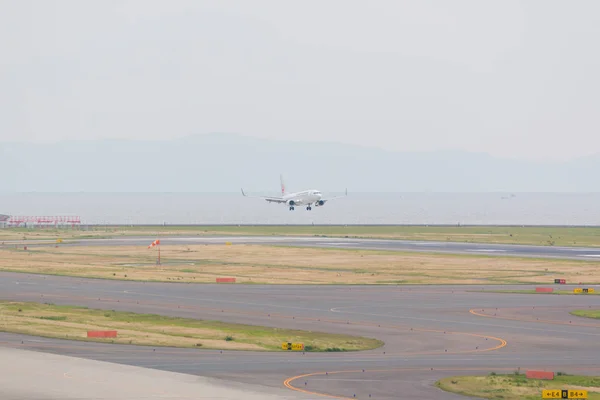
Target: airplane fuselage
{"points": [[306, 197]]}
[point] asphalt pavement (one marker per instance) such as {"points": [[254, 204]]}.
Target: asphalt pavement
{"points": [[581, 253], [429, 332]]}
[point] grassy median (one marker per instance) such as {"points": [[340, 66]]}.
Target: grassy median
{"points": [[290, 265], [540, 235], [555, 292], [587, 313], [517, 386], [70, 322]]}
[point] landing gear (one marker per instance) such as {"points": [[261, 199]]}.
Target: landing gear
{"points": [[291, 208], [308, 208]]}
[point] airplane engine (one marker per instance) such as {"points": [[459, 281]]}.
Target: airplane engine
{"points": [[291, 203], [320, 203]]}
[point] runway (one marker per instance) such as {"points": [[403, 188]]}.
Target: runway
{"points": [[429, 332], [580, 253]]}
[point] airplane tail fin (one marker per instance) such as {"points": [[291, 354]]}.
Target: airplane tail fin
{"points": [[283, 190]]}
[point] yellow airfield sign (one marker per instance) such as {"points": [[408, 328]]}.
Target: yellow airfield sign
{"points": [[564, 394], [292, 346]]}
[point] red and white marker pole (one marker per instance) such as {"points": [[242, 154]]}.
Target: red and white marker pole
{"points": [[157, 244]]}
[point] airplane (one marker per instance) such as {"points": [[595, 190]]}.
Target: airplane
{"points": [[306, 197]]}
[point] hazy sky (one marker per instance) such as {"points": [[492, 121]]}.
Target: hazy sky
{"points": [[511, 78]]}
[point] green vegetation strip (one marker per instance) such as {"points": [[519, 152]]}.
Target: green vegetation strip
{"points": [[533, 235], [531, 291], [587, 313], [70, 322], [516, 386]]}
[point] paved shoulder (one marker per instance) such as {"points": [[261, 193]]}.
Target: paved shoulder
{"points": [[61, 377]]}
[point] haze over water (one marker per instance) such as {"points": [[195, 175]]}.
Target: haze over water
{"points": [[357, 208]]}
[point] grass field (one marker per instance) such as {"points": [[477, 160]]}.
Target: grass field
{"points": [[546, 236], [587, 313], [68, 322], [559, 292], [517, 386], [289, 265]]}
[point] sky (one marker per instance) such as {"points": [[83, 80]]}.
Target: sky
{"points": [[509, 78]]}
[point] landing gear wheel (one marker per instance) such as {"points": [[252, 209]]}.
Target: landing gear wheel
{"points": [[308, 208], [292, 208]]}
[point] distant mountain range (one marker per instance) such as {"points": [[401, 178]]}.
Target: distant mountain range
{"points": [[226, 162]]}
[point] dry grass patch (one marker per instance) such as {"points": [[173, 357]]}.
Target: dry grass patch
{"points": [[69, 322], [540, 235], [290, 265]]}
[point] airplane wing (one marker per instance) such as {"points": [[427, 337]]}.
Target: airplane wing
{"points": [[267, 198], [333, 198]]}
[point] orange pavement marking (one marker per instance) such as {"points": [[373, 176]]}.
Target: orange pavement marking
{"points": [[288, 382]]}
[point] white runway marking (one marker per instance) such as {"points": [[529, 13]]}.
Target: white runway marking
{"points": [[589, 255]]}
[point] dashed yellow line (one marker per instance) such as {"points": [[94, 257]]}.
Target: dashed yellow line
{"points": [[288, 382]]}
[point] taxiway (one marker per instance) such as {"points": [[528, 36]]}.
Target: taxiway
{"points": [[429, 332]]}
